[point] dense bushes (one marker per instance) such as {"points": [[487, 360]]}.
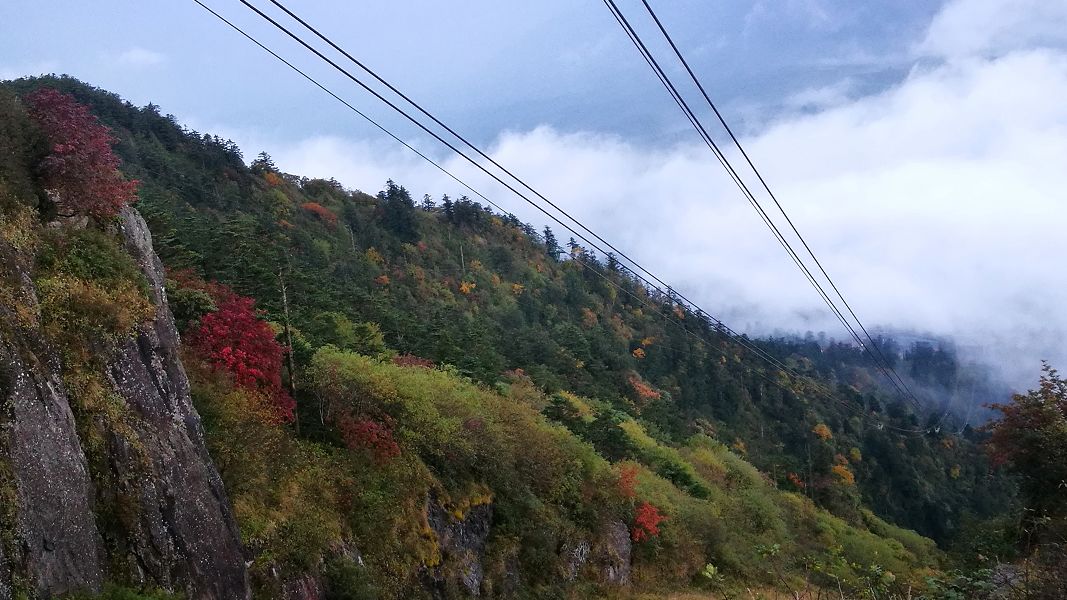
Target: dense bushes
{"points": [[460, 444]]}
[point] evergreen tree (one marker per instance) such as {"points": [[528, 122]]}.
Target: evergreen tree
{"points": [[613, 263], [551, 245], [263, 164], [399, 211], [450, 212]]}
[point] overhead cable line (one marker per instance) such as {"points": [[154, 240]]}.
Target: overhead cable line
{"points": [[730, 334], [492, 161], [702, 131], [735, 177], [487, 157], [740, 340], [478, 165], [767, 187]]}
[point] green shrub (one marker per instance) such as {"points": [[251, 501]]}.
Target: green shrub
{"points": [[88, 254], [347, 580]]}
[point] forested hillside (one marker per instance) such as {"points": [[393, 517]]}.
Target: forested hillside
{"points": [[470, 406]]}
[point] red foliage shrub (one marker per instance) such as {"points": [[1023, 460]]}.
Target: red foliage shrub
{"points": [[326, 215], [234, 339], [796, 481], [646, 522], [1022, 433], [80, 172], [410, 360], [372, 436]]}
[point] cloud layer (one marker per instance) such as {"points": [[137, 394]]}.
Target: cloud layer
{"points": [[938, 204]]}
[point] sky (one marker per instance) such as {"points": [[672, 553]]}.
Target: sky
{"points": [[919, 146]]}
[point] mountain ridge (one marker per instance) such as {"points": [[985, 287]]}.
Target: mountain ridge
{"points": [[614, 383]]}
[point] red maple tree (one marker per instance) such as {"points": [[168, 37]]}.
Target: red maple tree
{"points": [[646, 522], [81, 173], [1030, 439], [234, 339]]}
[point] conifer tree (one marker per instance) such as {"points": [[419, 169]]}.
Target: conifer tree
{"points": [[551, 245]]}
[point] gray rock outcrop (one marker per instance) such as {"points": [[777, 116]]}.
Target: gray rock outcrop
{"points": [[169, 522], [612, 554], [185, 536], [52, 535], [462, 543]]}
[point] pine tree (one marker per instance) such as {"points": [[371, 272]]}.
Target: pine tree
{"points": [[263, 164], [450, 212], [399, 211], [551, 245], [613, 263]]}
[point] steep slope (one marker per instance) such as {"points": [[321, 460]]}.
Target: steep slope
{"points": [[105, 472]]}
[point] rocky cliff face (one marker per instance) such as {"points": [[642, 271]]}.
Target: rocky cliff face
{"points": [[462, 542], [185, 535], [170, 524], [50, 538]]}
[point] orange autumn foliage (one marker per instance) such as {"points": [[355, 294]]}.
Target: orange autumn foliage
{"points": [[844, 474], [324, 214], [822, 432], [642, 389], [589, 318], [272, 179]]}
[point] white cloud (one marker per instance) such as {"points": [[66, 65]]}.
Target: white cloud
{"points": [[995, 27], [937, 204], [140, 58]]}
